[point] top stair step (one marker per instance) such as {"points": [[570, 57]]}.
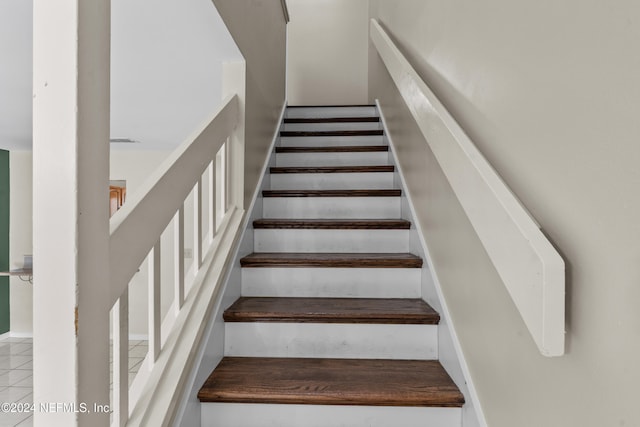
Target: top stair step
{"points": [[323, 133], [332, 224], [311, 381], [315, 120], [330, 111], [331, 169], [331, 123], [370, 132], [334, 149]]}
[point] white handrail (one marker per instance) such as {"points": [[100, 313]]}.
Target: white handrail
{"points": [[530, 267], [136, 232], [285, 11], [148, 212]]}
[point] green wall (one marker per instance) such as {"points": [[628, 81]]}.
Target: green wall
{"points": [[4, 240]]}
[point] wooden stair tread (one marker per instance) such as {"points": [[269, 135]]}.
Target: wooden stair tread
{"points": [[332, 310], [331, 193], [332, 106], [334, 149], [332, 169], [320, 133], [331, 382], [333, 224], [365, 119], [347, 260]]}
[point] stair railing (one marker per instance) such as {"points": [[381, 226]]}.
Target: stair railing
{"points": [[212, 161], [530, 267]]}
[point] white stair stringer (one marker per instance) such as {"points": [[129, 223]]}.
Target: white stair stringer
{"points": [[333, 111], [331, 340], [330, 141], [332, 181], [332, 207], [314, 240], [316, 127], [371, 158], [332, 282], [282, 415]]}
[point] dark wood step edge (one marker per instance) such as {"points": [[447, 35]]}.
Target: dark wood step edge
{"points": [[331, 106], [331, 260], [334, 149], [333, 224], [375, 132], [332, 169], [331, 193], [331, 382], [302, 120], [387, 311]]}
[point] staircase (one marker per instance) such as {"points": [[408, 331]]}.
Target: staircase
{"points": [[331, 329]]}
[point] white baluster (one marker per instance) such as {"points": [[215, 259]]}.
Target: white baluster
{"points": [[155, 322], [120, 400], [197, 226], [178, 229], [220, 184], [212, 199]]}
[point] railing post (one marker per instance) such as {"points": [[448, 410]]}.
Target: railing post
{"points": [[71, 302]]}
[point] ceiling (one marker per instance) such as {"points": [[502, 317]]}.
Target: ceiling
{"points": [[165, 70]]}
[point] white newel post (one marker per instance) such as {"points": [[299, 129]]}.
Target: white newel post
{"points": [[233, 82], [71, 224]]}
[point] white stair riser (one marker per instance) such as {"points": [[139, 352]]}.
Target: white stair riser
{"points": [[363, 341], [332, 181], [313, 127], [330, 141], [292, 240], [324, 112], [271, 415], [333, 159], [332, 207], [332, 282]]}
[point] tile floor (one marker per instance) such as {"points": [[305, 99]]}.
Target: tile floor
{"points": [[16, 375]]}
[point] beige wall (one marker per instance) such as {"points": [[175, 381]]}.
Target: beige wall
{"points": [[327, 58], [259, 30], [20, 240], [548, 91]]}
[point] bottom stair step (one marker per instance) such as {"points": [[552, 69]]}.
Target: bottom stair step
{"points": [[274, 415], [310, 381]]}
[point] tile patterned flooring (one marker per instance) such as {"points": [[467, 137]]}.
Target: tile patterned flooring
{"points": [[16, 375]]}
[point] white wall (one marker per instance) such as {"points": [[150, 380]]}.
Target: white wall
{"points": [[15, 73], [166, 69], [131, 166], [327, 52], [549, 92], [259, 29]]}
